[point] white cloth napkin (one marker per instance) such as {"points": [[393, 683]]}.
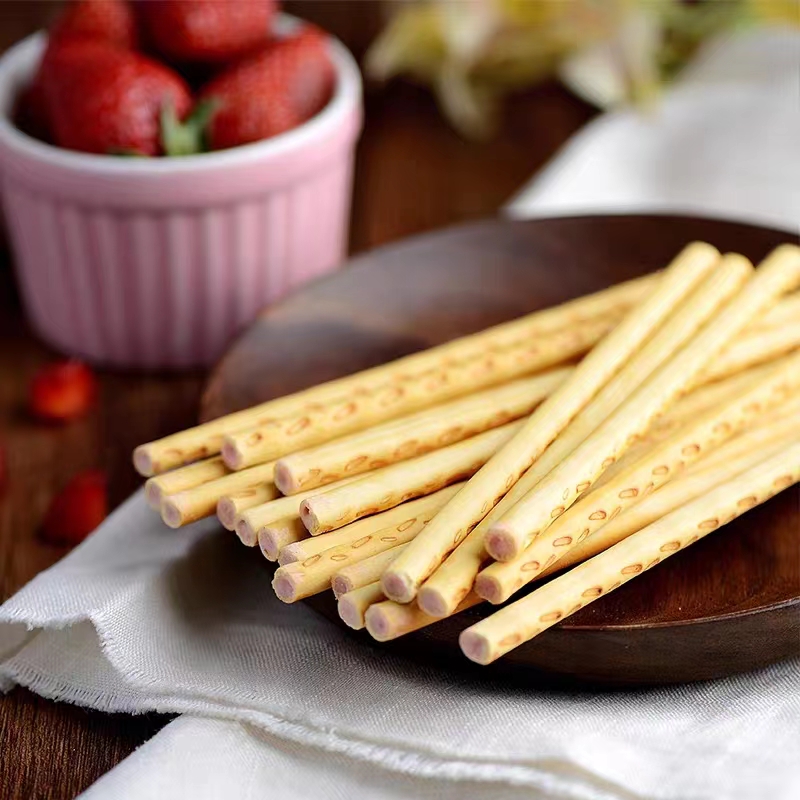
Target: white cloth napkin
{"points": [[278, 702], [724, 142], [140, 617]]}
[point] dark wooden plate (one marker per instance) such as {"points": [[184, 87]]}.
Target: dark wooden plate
{"points": [[730, 603]]}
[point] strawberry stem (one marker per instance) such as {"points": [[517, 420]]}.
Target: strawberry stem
{"points": [[185, 138]]}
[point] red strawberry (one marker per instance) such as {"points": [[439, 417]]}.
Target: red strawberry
{"points": [[104, 100], [80, 507], [272, 92], [207, 31], [62, 392], [111, 21]]}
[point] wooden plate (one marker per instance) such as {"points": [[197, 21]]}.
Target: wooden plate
{"points": [[728, 604]]}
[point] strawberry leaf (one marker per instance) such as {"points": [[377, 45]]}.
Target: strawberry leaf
{"points": [[185, 138]]}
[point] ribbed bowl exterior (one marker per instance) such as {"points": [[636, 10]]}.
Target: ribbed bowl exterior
{"points": [[169, 288], [159, 267]]}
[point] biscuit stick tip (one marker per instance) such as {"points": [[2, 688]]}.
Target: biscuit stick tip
{"points": [[230, 454], [432, 603], [171, 513], [475, 647], [246, 533], [489, 588], [227, 512], [143, 462], [285, 583], [153, 494], [399, 586], [501, 542]]}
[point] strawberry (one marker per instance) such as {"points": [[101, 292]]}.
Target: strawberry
{"points": [[207, 31], [79, 508], [63, 391], [111, 21], [105, 100], [271, 92]]}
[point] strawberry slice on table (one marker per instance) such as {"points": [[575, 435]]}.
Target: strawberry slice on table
{"points": [[207, 31], [63, 391], [77, 510], [104, 100], [272, 92], [111, 21]]}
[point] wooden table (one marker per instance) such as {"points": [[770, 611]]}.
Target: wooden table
{"points": [[413, 174]]}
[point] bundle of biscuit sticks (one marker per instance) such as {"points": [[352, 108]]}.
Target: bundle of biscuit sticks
{"points": [[592, 440]]}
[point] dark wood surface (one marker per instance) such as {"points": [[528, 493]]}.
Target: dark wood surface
{"points": [[413, 174], [728, 604]]}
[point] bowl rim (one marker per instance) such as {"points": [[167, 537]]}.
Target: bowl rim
{"points": [[21, 60]]}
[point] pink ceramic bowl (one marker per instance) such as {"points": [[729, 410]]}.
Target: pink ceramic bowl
{"points": [[159, 262]]}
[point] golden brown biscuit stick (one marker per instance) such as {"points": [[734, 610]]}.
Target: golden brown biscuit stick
{"points": [[415, 434], [695, 263], [520, 621], [206, 439], [201, 501], [390, 486], [531, 516]]}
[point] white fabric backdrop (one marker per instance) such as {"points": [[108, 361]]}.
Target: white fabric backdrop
{"points": [[725, 142], [278, 702]]}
